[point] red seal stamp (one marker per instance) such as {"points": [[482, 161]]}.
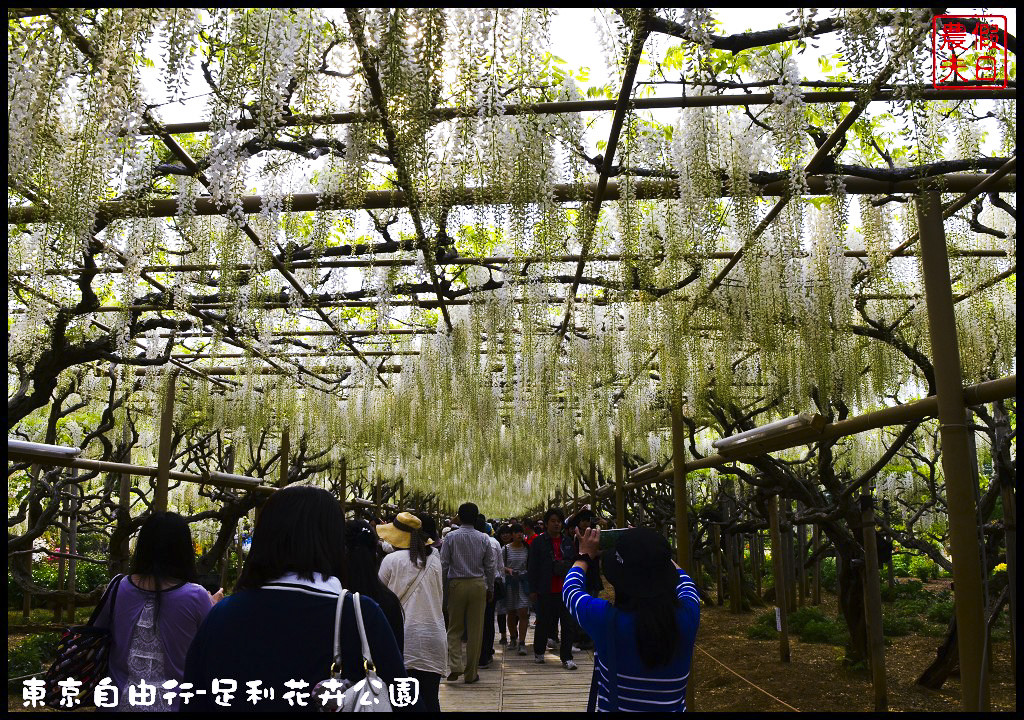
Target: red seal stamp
{"points": [[968, 51]]}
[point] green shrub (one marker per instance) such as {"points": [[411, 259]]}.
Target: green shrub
{"points": [[941, 611], [923, 568], [828, 574], [763, 627], [804, 615], [832, 632], [896, 625], [913, 605], [812, 624], [32, 654], [88, 576]]}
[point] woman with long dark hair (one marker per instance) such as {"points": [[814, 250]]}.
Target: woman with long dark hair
{"points": [[644, 644], [157, 612], [413, 573], [277, 629], [364, 555]]}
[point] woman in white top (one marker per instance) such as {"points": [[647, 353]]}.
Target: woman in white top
{"points": [[413, 573]]}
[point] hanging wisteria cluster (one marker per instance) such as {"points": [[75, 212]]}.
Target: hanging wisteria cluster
{"points": [[499, 405]]}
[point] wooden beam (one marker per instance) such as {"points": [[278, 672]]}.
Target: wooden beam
{"points": [[620, 495], [956, 460], [888, 94], [563, 193], [780, 577], [873, 605], [166, 436]]}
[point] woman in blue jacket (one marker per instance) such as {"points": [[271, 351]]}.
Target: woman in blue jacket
{"points": [[644, 643]]}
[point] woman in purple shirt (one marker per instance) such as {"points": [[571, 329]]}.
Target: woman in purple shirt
{"points": [[156, 615]]}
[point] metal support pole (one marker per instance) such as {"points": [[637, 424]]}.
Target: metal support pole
{"points": [[683, 555], [956, 460], [166, 436], [620, 494], [780, 578], [873, 604]]}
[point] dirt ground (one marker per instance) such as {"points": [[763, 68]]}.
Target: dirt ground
{"points": [[815, 680]]}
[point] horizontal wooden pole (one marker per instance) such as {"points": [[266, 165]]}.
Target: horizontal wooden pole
{"points": [[574, 106], [215, 478], [979, 394], [420, 303], [563, 193], [458, 261]]}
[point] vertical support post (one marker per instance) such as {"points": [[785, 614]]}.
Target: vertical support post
{"points": [[683, 554], [226, 559], [343, 481], [58, 608], [1010, 536], [731, 541], [238, 554], [756, 560], [576, 494], [72, 545], [166, 435], [378, 493], [816, 597], [889, 565], [873, 604], [124, 497], [801, 551], [788, 557], [956, 460], [716, 538], [286, 449], [780, 575], [593, 488], [33, 518], [620, 494]]}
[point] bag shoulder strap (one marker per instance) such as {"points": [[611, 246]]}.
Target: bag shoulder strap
{"points": [[367, 658], [111, 588], [412, 585], [610, 665], [336, 665]]}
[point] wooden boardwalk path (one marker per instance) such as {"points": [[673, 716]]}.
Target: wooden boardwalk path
{"points": [[514, 683]]}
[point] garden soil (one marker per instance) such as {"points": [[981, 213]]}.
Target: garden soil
{"points": [[815, 679]]}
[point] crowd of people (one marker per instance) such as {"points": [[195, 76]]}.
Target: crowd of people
{"points": [[431, 600]]}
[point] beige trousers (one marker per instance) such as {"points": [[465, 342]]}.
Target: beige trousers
{"points": [[467, 600]]}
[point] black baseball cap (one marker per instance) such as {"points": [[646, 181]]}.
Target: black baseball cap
{"points": [[640, 564]]}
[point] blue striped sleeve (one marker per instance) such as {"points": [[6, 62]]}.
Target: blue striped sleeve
{"points": [[686, 591], [587, 610]]}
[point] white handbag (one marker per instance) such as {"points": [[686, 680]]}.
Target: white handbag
{"points": [[340, 695]]}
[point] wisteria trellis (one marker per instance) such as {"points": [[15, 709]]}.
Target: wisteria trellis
{"points": [[498, 406]]}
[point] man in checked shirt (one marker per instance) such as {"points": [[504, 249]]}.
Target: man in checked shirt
{"points": [[468, 564]]}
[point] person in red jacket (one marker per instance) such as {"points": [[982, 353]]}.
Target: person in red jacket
{"points": [[551, 556]]}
